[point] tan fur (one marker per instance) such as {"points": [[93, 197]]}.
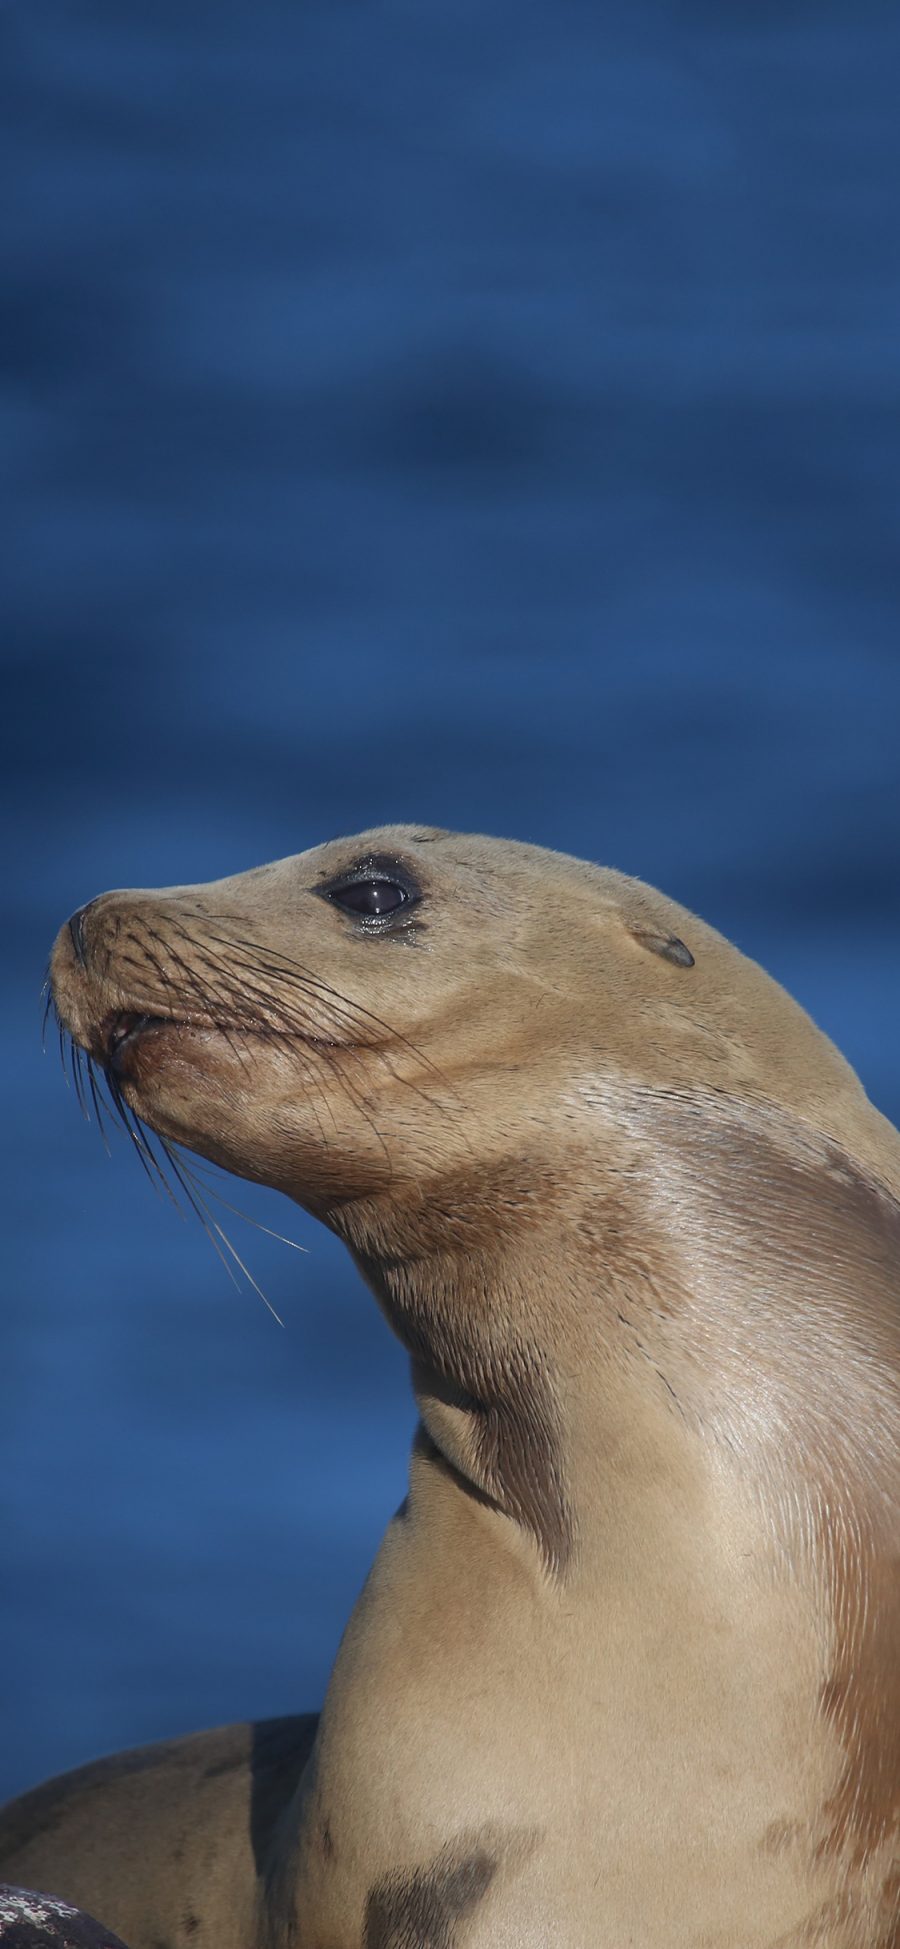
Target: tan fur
{"points": [[627, 1667]]}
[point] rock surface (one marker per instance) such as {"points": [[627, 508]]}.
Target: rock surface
{"points": [[32, 1921]]}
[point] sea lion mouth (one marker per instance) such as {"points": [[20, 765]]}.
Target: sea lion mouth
{"points": [[125, 1029]]}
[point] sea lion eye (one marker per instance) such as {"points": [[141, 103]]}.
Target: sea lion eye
{"points": [[375, 896]]}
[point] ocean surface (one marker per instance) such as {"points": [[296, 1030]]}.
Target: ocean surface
{"points": [[485, 415]]}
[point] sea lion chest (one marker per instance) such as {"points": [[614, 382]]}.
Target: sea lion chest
{"points": [[484, 1763]]}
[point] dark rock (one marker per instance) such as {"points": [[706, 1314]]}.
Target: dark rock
{"points": [[32, 1921]]}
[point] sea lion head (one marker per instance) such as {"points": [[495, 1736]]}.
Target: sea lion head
{"points": [[392, 1008]]}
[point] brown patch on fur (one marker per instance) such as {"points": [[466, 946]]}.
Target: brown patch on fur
{"points": [[861, 1695], [891, 1899], [518, 1443], [780, 1836], [281, 1753], [469, 1344], [421, 1910], [516, 1455]]}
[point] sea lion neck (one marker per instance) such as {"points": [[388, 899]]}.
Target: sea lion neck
{"points": [[465, 1302], [592, 1316], [519, 1332]]}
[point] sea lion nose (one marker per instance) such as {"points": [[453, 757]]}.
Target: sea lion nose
{"points": [[76, 932]]}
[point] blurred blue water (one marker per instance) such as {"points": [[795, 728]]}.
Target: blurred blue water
{"points": [[483, 415]]}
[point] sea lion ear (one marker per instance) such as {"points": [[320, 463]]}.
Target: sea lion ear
{"points": [[668, 945]]}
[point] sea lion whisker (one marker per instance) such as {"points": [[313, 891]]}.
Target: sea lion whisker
{"points": [[133, 1128], [282, 1026], [213, 963], [75, 1057], [139, 1137], [294, 1024], [194, 1205], [96, 1100], [209, 1002], [259, 967], [168, 986], [49, 1008], [210, 1005], [297, 1025], [69, 1055], [236, 995], [221, 993], [337, 1054], [315, 1090], [348, 1013], [197, 1171], [402, 1041], [360, 1104], [251, 999], [304, 975], [343, 1054], [246, 994], [384, 1056], [148, 1161], [195, 1197], [254, 965], [186, 969], [150, 1164]]}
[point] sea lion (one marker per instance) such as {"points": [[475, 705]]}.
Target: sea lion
{"points": [[627, 1666]]}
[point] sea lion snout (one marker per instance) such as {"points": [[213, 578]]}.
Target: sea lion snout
{"points": [[70, 979], [84, 981]]}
